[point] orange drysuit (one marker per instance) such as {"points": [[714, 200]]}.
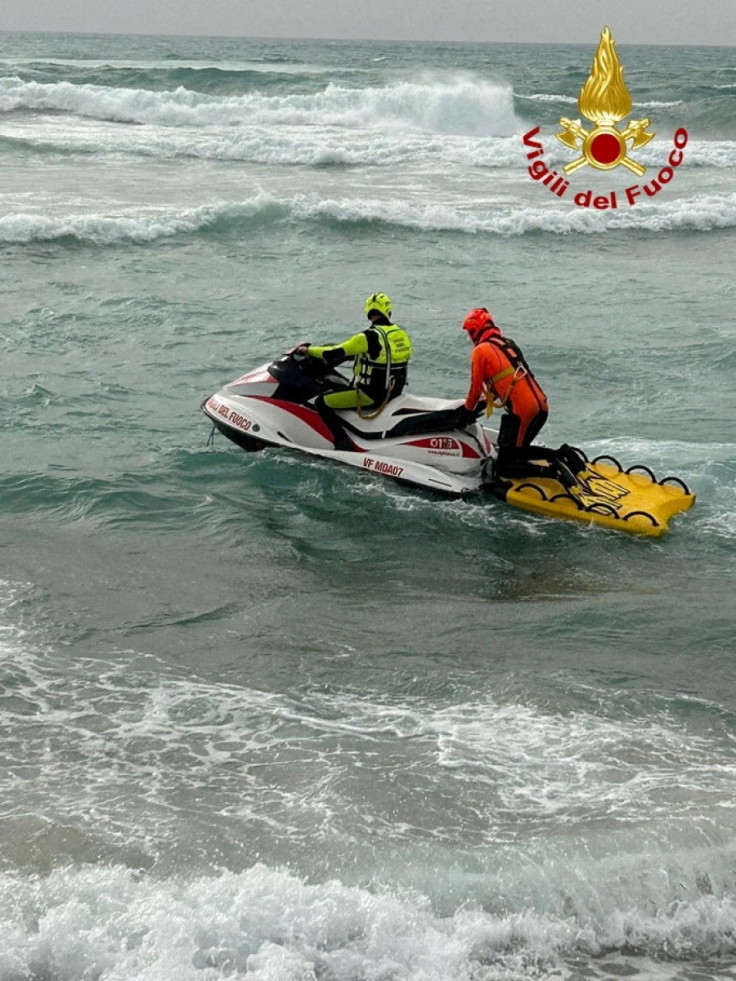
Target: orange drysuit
{"points": [[498, 365]]}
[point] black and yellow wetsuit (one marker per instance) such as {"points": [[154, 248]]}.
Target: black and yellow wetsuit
{"points": [[381, 355]]}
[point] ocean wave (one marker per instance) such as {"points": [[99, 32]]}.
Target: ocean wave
{"points": [[265, 65], [317, 145], [702, 213], [549, 97], [269, 923], [707, 110], [150, 499], [573, 100], [142, 226], [213, 79], [483, 769], [717, 153], [459, 105], [270, 145]]}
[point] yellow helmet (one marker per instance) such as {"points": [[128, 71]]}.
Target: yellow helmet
{"points": [[380, 302]]}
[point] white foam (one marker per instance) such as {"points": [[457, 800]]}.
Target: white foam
{"points": [[700, 213], [487, 757], [142, 225], [610, 794], [698, 153], [280, 145], [270, 925], [548, 97], [437, 105], [434, 118]]}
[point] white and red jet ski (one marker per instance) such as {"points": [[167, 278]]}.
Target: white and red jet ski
{"points": [[416, 441], [412, 439]]}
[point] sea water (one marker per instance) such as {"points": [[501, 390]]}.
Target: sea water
{"points": [[265, 717]]}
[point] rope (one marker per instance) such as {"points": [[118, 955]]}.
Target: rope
{"points": [[381, 407]]}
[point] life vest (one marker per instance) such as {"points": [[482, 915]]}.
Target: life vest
{"points": [[386, 367]]}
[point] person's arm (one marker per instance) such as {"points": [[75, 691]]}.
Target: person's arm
{"points": [[335, 353], [477, 377]]}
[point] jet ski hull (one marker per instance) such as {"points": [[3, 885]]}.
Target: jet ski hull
{"points": [[261, 409]]}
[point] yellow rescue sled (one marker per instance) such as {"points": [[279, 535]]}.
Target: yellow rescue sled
{"points": [[603, 493]]}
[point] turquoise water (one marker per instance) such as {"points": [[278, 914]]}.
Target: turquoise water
{"points": [[262, 717]]}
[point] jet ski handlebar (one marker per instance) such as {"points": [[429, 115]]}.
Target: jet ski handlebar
{"points": [[300, 370], [298, 353]]}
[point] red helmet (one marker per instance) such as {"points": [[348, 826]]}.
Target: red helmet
{"points": [[478, 322]]}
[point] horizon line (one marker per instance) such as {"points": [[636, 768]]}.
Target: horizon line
{"points": [[368, 40]]}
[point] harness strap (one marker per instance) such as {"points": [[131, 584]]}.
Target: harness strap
{"points": [[390, 381], [502, 374], [494, 402], [386, 348]]}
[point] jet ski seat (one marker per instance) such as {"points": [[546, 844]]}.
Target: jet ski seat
{"points": [[416, 423], [419, 423]]}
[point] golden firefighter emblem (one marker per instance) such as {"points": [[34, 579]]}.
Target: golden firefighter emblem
{"points": [[605, 101]]}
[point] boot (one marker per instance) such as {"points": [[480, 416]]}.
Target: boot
{"points": [[573, 459], [340, 438]]}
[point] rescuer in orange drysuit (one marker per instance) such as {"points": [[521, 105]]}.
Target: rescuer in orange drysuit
{"points": [[499, 372]]}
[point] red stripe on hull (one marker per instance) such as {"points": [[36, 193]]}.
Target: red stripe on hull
{"points": [[309, 416]]}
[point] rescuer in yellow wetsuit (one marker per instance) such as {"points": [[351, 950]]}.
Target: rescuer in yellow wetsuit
{"points": [[381, 355]]}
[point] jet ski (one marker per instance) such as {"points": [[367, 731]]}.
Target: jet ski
{"points": [[413, 439], [416, 440]]}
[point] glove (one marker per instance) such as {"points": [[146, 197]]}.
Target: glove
{"points": [[464, 417], [300, 352]]}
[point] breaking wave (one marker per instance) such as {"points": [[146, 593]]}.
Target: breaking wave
{"points": [[278, 146], [460, 105], [327, 147], [702, 213], [269, 923]]}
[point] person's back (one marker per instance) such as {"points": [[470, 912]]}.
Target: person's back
{"points": [[499, 369], [381, 356]]}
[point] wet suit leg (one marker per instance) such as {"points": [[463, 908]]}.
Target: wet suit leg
{"points": [[327, 406], [526, 413], [562, 464], [508, 431], [517, 457], [532, 428], [510, 450]]}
